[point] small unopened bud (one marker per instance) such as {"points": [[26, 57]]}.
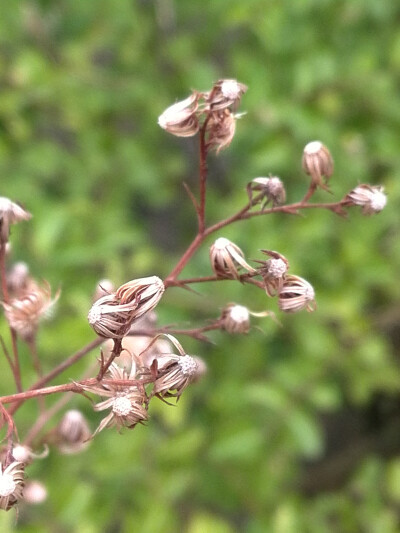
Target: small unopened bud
{"points": [[12, 478], [103, 288], [271, 189], [227, 258], [72, 433], [317, 163], [10, 213], [180, 119], [225, 93], [371, 198], [221, 129], [18, 279], [24, 454], [235, 319], [34, 492], [296, 294], [24, 314]]}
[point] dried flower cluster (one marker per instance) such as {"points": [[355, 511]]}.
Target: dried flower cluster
{"points": [[140, 360]]}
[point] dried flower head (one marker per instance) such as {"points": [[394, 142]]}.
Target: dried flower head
{"points": [[317, 163], [271, 190], [296, 294], [10, 213], [103, 288], [371, 198], [221, 128], [180, 119], [235, 319], [127, 403], [18, 280], [12, 478], [225, 93], [24, 314], [227, 258], [34, 492], [273, 271], [72, 433], [24, 454], [173, 372], [113, 315]]}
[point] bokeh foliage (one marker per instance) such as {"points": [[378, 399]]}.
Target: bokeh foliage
{"points": [[295, 428]]}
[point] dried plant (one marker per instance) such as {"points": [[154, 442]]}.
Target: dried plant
{"points": [[140, 360]]}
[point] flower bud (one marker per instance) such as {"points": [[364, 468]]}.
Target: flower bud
{"points": [[72, 433], [24, 454], [317, 162], [146, 292], [180, 119], [273, 271], [271, 189], [104, 287], [10, 213], [371, 198], [227, 258], [35, 492], [235, 319], [225, 93], [296, 294]]}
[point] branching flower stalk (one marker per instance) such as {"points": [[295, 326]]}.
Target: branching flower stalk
{"points": [[139, 359]]}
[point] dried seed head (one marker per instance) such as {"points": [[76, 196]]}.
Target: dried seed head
{"points": [[296, 294], [317, 163], [146, 292], [177, 373], [180, 119], [127, 403], [103, 288], [24, 454], [273, 271], [220, 129], [227, 258], [371, 198], [272, 190], [10, 213], [225, 93], [18, 280], [24, 314], [235, 319], [72, 433], [12, 478], [34, 492]]}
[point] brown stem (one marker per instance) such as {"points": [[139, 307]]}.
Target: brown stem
{"points": [[15, 367], [117, 349]]}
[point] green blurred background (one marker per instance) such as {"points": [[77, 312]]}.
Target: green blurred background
{"points": [[294, 428]]}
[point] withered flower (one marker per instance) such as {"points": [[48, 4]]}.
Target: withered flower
{"points": [[12, 478], [173, 372], [273, 271], [317, 162], [225, 93], [72, 433], [112, 315], [235, 319], [221, 129], [296, 294], [180, 119], [271, 191], [24, 314], [128, 404], [227, 258], [371, 198], [34, 492], [10, 213]]}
